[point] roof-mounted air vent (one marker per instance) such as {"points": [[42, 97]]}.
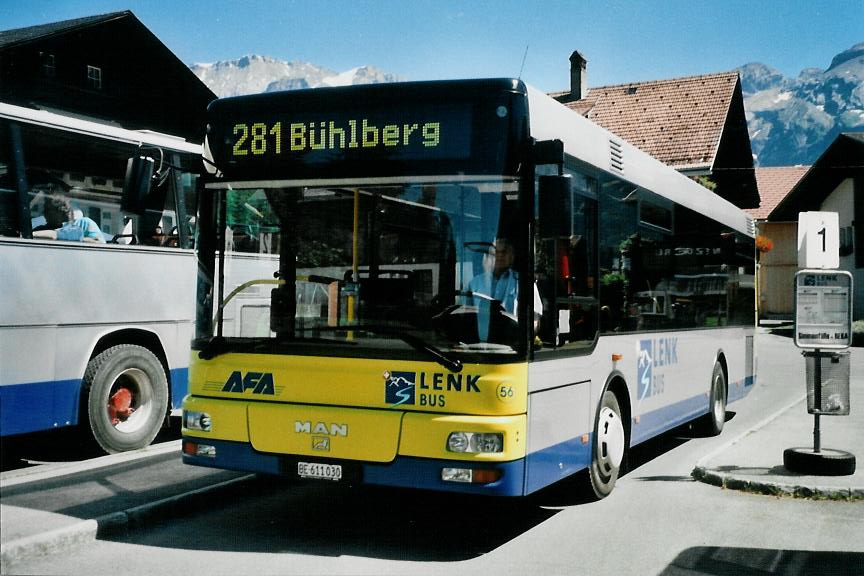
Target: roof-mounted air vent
{"points": [[616, 156]]}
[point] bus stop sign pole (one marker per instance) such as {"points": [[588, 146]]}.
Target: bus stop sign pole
{"points": [[823, 324]]}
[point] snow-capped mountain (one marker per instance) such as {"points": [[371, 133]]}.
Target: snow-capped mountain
{"points": [[792, 121], [253, 74]]}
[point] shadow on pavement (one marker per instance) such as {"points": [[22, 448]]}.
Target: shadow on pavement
{"points": [[718, 561], [331, 521]]}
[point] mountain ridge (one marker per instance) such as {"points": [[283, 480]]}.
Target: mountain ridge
{"points": [[791, 121]]}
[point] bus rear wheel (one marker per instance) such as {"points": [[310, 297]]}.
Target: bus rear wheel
{"points": [[712, 423], [609, 446], [127, 397]]}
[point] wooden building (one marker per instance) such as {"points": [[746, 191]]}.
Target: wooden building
{"points": [[109, 68]]}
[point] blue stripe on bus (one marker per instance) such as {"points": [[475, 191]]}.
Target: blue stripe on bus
{"points": [[740, 389], [554, 463], [425, 473], [179, 386], [659, 421], [404, 471], [38, 406]]}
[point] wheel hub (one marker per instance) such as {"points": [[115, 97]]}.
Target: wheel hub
{"points": [[610, 441], [120, 406]]}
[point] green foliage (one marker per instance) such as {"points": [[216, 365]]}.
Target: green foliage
{"points": [[707, 182], [858, 333]]}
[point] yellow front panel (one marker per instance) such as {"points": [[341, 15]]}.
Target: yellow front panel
{"points": [[352, 434], [228, 418], [425, 435], [491, 390]]}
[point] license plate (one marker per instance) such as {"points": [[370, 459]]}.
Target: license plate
{"points": [[319, 471]]}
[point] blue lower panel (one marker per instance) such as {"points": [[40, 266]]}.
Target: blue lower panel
{"points": [[38, 406], [404, 472], [653, 423], [426, 474], [556, 462], [740, 389], [179, 386]]}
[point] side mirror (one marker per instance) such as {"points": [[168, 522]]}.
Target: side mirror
{"points": [[555, 199], [136, 185]]}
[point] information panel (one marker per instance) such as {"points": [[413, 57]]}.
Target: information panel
{"points": [[446, 127], [823, 309]]}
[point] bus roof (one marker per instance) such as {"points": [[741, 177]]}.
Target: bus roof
{"points": [[604, 150], [96, 129]]}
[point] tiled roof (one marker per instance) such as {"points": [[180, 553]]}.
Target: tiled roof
{"points": [[22, 35], [678, 121], [774, 184]]}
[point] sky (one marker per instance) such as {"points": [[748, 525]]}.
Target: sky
{"points": [[623, 41]]}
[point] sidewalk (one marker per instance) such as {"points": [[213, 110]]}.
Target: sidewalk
{"points": [[753, 462], [56, 506]]}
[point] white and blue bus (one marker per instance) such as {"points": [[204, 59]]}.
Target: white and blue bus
{"points": [[387, 343], [93, 333]]}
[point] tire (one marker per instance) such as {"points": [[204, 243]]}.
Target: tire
{"points": [[127, 397], [826, 462], [712, 423], [609, 446]]}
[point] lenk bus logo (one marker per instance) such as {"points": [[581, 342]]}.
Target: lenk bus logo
{"points": [[404, 388], [257, 382], [653, 355]]}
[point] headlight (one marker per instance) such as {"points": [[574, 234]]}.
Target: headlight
{"points": [[197, 421], [475, 442]]}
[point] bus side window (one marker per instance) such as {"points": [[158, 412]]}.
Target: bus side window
{"points": [[566, 262]]}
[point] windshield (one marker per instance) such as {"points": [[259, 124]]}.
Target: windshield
{"points": [[414, 265]]}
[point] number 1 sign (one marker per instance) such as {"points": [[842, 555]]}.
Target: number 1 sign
{"points": [[819, 240]]}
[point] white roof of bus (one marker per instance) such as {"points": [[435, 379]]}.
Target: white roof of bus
{"points": [[96, 129], [590, 143]]}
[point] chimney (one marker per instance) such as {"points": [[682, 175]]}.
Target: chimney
{"points": [[578, 76]]}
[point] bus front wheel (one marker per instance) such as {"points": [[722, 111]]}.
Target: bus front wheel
{"points": [[609, 446], [127, 397]]}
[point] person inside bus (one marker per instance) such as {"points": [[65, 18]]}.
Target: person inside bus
{"points": [[55, 213], [76, 225], [499, 281]]}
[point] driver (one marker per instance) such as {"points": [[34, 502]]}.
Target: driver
{"points": [[500, 281]]}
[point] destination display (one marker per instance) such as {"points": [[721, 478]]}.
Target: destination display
{"points": [[366, 131], [411, 134], [823, 309]]}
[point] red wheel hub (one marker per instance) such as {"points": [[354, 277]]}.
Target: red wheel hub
{"points": [[120, 406]]}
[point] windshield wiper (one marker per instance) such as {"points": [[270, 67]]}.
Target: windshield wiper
{"points": [[452, 364]]}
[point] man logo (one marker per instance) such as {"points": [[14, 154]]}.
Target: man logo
{"points": [[332, 429], [321, 443], [400, 388]]}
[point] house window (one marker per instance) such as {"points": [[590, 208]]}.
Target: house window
{"points": [[94, 77], [49, 68]]}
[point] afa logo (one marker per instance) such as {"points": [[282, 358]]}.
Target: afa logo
{"points": [[400, 388], [257, 382]]}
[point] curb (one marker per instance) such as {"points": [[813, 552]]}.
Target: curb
{"points": [[721, 480], [703, 473], [112, 525]]}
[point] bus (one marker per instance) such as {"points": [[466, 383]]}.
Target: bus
{"points": [[93, 334], [371, 353]]}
